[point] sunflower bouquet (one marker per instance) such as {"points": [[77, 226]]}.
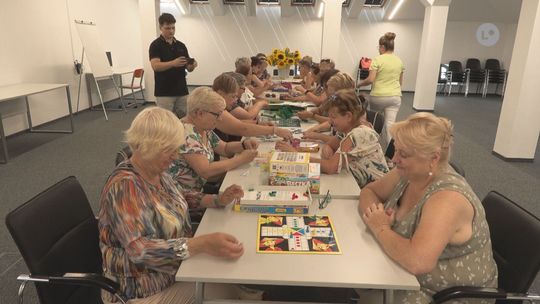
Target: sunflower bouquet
{"points": [[283, 57]]}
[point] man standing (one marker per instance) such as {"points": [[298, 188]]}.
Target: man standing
{"points": [[170, 60]]}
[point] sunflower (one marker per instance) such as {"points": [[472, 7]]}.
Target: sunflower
{"points": [[275, 51], [281, 64], [280, 56], [290, 61]]}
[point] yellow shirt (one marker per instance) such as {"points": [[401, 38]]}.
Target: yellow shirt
{"points": [[389, 67]]}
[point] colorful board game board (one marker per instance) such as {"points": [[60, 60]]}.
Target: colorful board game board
{"points": [[296, 234]]}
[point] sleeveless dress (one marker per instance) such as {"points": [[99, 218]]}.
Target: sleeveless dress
{"points": [[468, 264]]}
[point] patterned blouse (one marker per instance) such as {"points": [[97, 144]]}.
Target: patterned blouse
{"points": [[365, 160], [181, 170], [469, 264], [138, 226]]}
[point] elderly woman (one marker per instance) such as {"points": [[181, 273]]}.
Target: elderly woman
{"points": [[145, 231], [425, 216], [249, 67], [240, 110], [196, 163], [227, 124], [304, 67]]}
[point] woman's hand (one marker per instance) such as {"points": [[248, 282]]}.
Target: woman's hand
{"points": [[218, 244], [232, 193], [300, 89], [378, 219], [327, 152], [311, 135], [247, 156], [305, 114], [284, 133], [284, 146], [250, 144], [266, 123]]}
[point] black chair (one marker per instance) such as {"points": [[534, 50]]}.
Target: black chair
{"points": [[475, 74], [390, 150], [496, 75], [442, 81], [376, 119], [515, 236], [455, 74], [57, 235], [457, 167]]}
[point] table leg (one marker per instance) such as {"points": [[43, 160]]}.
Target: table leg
{"points": [[32, 130], [4, 143], [199, 292], [69, 108], [388, 296], [28, 114]]}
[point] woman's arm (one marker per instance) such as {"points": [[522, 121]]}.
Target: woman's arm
{"points": [[401, 79], [377, 192], [446, 216], [242, 114], [317, 100], [205, 169], [369, 80], [228, 124], [331, 165]]}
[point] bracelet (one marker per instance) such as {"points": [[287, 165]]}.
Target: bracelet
{"points": [[216, 202], [181, 249], [243, 146]]}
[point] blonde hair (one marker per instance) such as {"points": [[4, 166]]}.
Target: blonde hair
{"points": [[204, 98], [154, 130], [341, 81], [225, 83], [426, 134], [345, 101]]}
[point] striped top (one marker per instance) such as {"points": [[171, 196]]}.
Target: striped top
{"points": [[138, 225]]}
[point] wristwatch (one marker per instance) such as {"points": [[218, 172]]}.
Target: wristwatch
{"points": [[181, 249]]}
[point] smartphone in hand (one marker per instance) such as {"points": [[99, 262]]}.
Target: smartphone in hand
{"points": [[190, 61]]}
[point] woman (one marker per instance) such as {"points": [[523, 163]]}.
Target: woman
{"points": [[318, 113], [315, 95], [263, 73], [240, 110], [227, 124], [425, 216], [359, 151], [249, 67], [145, 231], [304, 67], [196, 164], [386, 77]]}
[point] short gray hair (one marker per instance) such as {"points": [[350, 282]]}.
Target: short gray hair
{"points": [[240, 79], [154, 130], [204, 98], [242, 61]]}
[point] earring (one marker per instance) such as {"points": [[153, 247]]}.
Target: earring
{"points": [[430, 173]]}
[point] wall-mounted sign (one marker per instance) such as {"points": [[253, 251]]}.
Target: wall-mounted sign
{"points": [[487, 34]]}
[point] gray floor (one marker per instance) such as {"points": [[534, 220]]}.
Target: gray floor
{"points": [[39, 160]]}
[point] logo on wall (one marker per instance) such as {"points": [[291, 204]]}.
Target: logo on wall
{"points": [[487, 34]]}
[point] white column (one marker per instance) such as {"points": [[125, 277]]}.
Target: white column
{"points": [[331, 31], [430, 56], [149, 13], [519, 123]]}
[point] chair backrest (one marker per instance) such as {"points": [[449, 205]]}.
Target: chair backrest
{"points": [[515, 236], [455, 67], [390, 150], [122, 155], [376, 119], [56, 232], [493, 64], [473, 64], [137, 74], [457, 167]]}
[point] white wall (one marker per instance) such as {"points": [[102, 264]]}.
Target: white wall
{"points": [[39, 44], [217, 40]]}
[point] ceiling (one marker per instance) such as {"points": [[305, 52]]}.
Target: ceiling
{"points": [[505, 11]]}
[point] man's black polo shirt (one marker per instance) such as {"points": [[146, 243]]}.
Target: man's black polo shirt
{"points": [[171, 82]]}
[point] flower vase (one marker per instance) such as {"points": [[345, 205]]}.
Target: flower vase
{"points": [[283, 73]]}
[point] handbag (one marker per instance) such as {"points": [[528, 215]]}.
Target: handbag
{"points": [[365, 63]]}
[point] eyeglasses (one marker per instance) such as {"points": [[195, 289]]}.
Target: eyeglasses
{"points": [[217, 115], [327, 199]]}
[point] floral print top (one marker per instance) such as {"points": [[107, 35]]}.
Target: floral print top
{"points": [[366, 159], [138, 225], [181, 170]]}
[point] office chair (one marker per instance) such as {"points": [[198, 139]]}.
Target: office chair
{"points": [[57, 235], [137, 74], [376, 119], [515, 237]]}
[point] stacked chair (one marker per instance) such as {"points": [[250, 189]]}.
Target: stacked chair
{"points": [[475, 74], [495, 75], [455, 74]]}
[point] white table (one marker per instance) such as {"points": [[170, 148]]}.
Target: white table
{"points": [[362, 263], [24, 90]]}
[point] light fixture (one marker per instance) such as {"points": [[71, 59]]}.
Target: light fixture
{"points": [[321, 10], [180, 7], [396, 8]]}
